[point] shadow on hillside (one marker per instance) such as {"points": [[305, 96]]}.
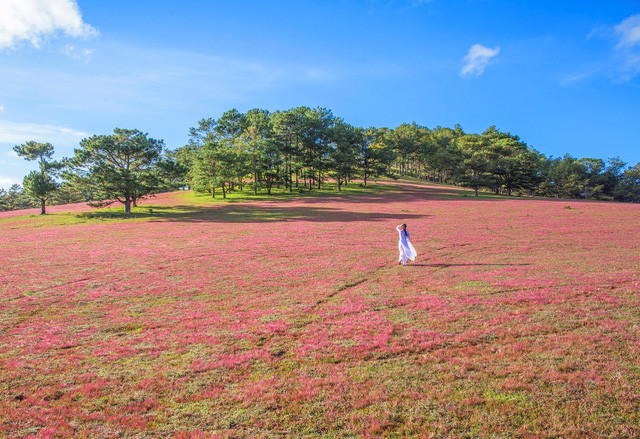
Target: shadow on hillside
{"points": [[378, 193], [248, 213], [374, 193], [312, 206], [429, 192]]}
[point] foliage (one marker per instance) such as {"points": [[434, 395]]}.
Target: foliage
{"points": [[568, 177], [629, 189], [272, 148], [347, 144], [39, 185], [124, 166], [306, 147], [375, 155], [15, 198], [476, 162], [33, 150]]}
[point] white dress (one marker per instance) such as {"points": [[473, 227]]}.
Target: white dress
{"points": [[405, 248]]}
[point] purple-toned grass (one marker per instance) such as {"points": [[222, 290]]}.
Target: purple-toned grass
{"points": [[290, 318]]}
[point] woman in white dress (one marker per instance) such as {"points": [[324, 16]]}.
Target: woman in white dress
{"points": [[404, 246]]}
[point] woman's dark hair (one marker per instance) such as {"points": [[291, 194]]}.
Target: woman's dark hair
{"points": [[404, 226]]}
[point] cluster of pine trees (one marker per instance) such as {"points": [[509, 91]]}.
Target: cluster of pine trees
{"points": [[17, 197], [300, 149], [297, 148]]}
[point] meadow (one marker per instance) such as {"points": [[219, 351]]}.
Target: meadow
{"points": [[289, 317]]}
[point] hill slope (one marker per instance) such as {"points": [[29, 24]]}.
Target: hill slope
{"points": [[289, 317]]}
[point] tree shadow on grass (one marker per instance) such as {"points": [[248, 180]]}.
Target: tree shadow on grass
{"points": [[355, 194], [244, 213], [311, 206], [396, 191], [372, 193], [432, 192]]}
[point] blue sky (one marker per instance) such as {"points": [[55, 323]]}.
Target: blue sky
{"points": [[563, 75]]}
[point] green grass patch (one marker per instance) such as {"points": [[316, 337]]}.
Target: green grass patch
{"points": [[328, 189]]}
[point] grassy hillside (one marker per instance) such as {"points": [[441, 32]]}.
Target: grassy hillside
{"points": [[288, 317]]}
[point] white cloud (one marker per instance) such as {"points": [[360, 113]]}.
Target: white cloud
{"points": [[581, 76], [33, 20], [627, 49], [7, 182], [628, 32], [477, 60], [622, 63], [17, 133], [78, 54], [1, 108]]}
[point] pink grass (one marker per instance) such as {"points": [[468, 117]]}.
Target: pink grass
{"points": [[290, 318]]}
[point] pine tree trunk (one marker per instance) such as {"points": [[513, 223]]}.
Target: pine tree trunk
{"points": [[42, 209], [290, 177]]}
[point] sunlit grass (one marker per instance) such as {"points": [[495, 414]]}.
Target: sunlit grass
{"points": [[287, 316]]}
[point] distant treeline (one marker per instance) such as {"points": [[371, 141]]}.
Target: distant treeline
{"points": [[302, 148], [17, 197]]}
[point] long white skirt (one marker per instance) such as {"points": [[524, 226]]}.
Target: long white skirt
{"points": [[406, 252]]}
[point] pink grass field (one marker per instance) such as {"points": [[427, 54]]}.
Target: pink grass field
{"points": [[289, 317]]}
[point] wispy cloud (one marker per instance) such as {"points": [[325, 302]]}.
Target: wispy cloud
{"points": [[15, 133], [628, 32], [78, 54], [34, 20], [154, 81], [627, 48], [622, 62], [477, 60], [10, 153], [569, 79], [1, 108]]}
